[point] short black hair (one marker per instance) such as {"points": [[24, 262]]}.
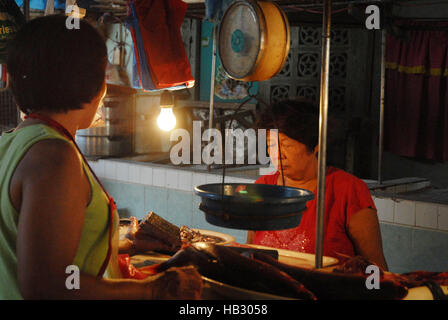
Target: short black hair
{"points": [[297, 118], [54, 68]]}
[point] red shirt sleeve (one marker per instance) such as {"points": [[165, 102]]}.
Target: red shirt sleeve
{"points": [[358, 197]]}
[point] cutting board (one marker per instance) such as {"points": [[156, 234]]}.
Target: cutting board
{"points": [[299, 259], [423, 293]]}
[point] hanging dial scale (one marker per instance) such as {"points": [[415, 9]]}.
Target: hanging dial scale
{"points": [[254, 40]]}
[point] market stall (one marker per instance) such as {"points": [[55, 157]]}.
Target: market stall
{"points": [[213, 229]]}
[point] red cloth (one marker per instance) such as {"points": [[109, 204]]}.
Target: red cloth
{"points": [[128, 270], [345, 195], [416, 103], [160, 23]]}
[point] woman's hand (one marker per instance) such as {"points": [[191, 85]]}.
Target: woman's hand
{"points": [[135, 243], [184, 283]]}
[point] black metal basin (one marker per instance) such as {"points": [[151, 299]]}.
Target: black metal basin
{"points": [[252, 206]]}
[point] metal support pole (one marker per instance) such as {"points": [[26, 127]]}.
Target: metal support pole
{"points": [[383, 84], [26, 9], [212, 81], [322, 158]]}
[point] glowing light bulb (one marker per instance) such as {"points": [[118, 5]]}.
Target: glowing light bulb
{"points": [[166, 119]]}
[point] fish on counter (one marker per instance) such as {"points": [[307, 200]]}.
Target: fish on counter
{"points": [[189, 235], [358, 265], [256, 270], [154, 233], [348, 282], [231, 267], [150, 234], [154, 227]]}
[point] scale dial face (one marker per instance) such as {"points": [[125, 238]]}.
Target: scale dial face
{"points": [[240, 40]]}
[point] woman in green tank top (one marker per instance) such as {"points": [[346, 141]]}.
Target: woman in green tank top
{"points": [[54, 214]]}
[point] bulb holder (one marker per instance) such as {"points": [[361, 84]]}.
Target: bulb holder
{"points": [[166, 99]]}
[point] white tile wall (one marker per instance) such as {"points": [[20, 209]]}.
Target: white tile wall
{"points": [[213, 178], [159, 177], [385, 209], [135, 172], [110, 170], [199, 179], [426, 215], [231, 180], [97, 167], [122, 171], [443, 217], [246, 181], [185, 181], [405, 212], [100, 167], [145, 175], [172, 177]]}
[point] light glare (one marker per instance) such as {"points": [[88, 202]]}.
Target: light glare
{"points": [[166, 119]]}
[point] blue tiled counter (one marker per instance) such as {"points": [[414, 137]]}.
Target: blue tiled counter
{"points": [[411, 248]]}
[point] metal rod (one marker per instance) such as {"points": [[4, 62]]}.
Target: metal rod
{"points": [[212, 82], [322, 157], [26, 9], [383, 83]]}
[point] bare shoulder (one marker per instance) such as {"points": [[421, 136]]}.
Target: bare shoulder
{"points": [[56, 155], [46, 166], [51, 167]]}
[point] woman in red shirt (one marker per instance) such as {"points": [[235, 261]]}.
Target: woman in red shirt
{"points": [[351, 223]]}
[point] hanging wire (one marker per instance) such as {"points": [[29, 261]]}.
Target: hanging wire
{"points": [[280, 157], [249, 98], [278, 138]]}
